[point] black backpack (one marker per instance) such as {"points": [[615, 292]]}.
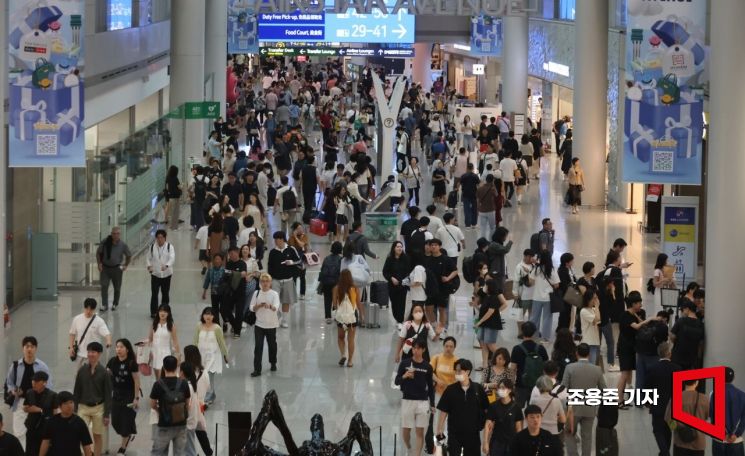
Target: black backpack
{"points": [[469, 269], [289, 200], [330, 270], [200, 189], [172, 407], [535, 242], [533, 366], [416, 242], [646, 336], [271, 196]]}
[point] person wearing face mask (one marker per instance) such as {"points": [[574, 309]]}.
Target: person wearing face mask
{"points": [[465, 403], [504, 419], [416, 327]]}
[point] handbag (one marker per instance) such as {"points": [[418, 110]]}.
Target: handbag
{"points": [[143, 357], [250, 317], [409, 342], [507, 291], [8, 396], [77, 343], [312, 258], [572, 296]]}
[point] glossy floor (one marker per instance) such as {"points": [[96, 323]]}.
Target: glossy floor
{"points": [[309, 380]]}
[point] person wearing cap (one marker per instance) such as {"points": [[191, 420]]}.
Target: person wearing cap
{"points": [[284, 264], [9, 444], [66, 432], [533, 439], [41, 404], [92, 393], [19, 381]]}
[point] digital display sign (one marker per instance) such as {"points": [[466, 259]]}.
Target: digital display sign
{"points": [[120, 14], [350, 27]]}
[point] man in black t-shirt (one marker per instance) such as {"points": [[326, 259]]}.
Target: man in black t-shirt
{"points": [[410, 225], [233, 190], [469, 182], [170, 430], [464, 405], [688, 335], [9, 444], [517, 360], [445, 270], [40, 405], [230, 226], [236, 271], [66, 432], [533, 440]]}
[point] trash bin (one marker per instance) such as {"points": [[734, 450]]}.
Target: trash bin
{"points": [[381, 226]]}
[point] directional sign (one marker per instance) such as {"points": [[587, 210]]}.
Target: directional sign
{"points": [[373, 52], [293, 51]]}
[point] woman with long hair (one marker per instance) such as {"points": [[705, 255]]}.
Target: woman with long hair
{"points": [[329, 276], [564, 351], [255, 209], [257, 247], [504, 419], [416, 327], [299, 241], [567, 278], [252, 274], [172, 194], [210, 340], [659, 280], [468, 137], [546, 281], [163, 338], [589, 317], [343, 204], [413, 175], [193, 357], [397, 267], [215, 236], [489, 321], [195, 418], [125, 382], [346, 302]]}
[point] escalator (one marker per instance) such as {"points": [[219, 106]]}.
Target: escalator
{"points": [[381, 225]]}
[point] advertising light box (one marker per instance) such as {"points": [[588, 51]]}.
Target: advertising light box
{"points": [[351, 27]]}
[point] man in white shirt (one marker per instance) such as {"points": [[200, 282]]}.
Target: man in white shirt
{"points": [[200, 243], [159, 259], [508, 167], [522, 278], [97, 331], [262, 181], [435, 223], [452, 238], [504, 127], [551, 370], [287, 214]]}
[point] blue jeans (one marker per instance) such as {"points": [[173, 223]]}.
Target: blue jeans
{"points": [[607, 332], [191, 443], [210, 395], [643, 364], [487, 224], [594, 353], [542, 308], [469, 211], [166, 435], [726, 449]]}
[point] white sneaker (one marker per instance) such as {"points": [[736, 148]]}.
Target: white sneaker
{"points": [[613, 368], [398, 327], [283, 323], [443, 334]]}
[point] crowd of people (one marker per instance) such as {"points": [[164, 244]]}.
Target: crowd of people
{"points": [[265, 182]]}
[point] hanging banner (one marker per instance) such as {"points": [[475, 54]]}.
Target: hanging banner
{"points": [[46, 65], [665, 80], [486, 35], [242, 28], [680, 234]]}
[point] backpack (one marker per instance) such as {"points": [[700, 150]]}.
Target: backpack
{"points": [[416, 242], [289, 200], [646, 337], [172, 408], [330, 270], [345, 312], [469, 269], [533, 366], [271, 196], [535, 242], [200, 189]]}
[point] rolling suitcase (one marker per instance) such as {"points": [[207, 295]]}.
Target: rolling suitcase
{"points": [[372, 315], [379, 293]]}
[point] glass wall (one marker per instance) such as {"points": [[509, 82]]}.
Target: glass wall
{"points": [[124, 14]]}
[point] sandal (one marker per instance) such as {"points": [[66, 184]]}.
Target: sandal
{"points": [[342, 361], [479, 369], [349, 364]]}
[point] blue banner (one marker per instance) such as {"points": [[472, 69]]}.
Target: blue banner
{"points": [[46, 66], [666, 83], [486, 35], [242, 29]]}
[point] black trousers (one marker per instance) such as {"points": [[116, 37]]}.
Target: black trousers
{"points": [[33, 443], [309, 200], [565, 316], [216, 301], [271, 340], [414, 194], [398, 302], [328, 296], [204, 442], [469, 444], [301, 277], [662, 434], [509, 188], [164, 286]]}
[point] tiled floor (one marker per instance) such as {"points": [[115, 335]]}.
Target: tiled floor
{"points": [[308, 380]]}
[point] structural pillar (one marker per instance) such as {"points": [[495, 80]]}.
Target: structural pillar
{"points": [[725, 207], [5, 344], [591, 95], [515, 64], [187, 78], [422, 65], [216, 54]]}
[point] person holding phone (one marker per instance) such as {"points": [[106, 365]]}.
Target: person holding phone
{"points": [[415, 379], [265, 302]]}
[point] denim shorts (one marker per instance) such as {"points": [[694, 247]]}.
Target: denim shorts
{"points": [[488, 335]]}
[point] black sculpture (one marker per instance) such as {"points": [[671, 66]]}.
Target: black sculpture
{"points": [[271, 412]]}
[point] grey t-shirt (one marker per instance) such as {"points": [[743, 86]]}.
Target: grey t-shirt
{"points": [[116, 257]]}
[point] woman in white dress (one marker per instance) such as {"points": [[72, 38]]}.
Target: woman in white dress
{"points": [[659, 280], [252, 274], [256, 210], [163, 338], [211, 342], [193, 357]]}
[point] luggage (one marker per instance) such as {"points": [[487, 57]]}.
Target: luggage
{"points": [[309, 215], [379, 293], [372, 315], [319, 227]]}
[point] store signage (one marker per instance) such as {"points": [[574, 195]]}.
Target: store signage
{"points": [[557, 68], [374, 51], [377, 52], [486, 35], [46, 89], [201, 110], [242, 28], [664, 101], [478, 68], [348, 27], [680, 234], [277, 51], [413, 7]]}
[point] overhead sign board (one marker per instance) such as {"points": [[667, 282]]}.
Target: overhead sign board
{"points": [[281, 50]]}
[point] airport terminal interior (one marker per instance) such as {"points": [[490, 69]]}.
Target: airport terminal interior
{"points": [[158, 155]]}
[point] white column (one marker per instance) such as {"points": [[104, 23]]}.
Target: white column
{"points": [[187, 75], [3, 177], [215, 55], [515, 64], [725, 207], [422, 65], [591, 95]]}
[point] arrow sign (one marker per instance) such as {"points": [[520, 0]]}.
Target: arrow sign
{"points": [[263, 51], [380, 52], [341, 51], [401, 30]]}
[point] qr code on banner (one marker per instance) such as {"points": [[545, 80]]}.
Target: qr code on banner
{"points": [[47, 144], [662, 161]]}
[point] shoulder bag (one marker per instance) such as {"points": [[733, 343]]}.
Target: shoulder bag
{"points": [[8, 396], [573, 296], [250, 314], [556, 301], [452, 237], [77, 343]]}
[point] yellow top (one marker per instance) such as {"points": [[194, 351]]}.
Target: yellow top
{"points": [[444, 367]]}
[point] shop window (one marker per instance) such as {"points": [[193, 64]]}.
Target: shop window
{"points": [[566, 9]]}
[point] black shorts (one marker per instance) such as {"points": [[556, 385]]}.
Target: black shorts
{"points": [[341, 219], [626, 358], [203, 255], [439, 301]]}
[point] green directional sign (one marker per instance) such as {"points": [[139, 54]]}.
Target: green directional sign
{"points": [[280, 51], [201, 110]]}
